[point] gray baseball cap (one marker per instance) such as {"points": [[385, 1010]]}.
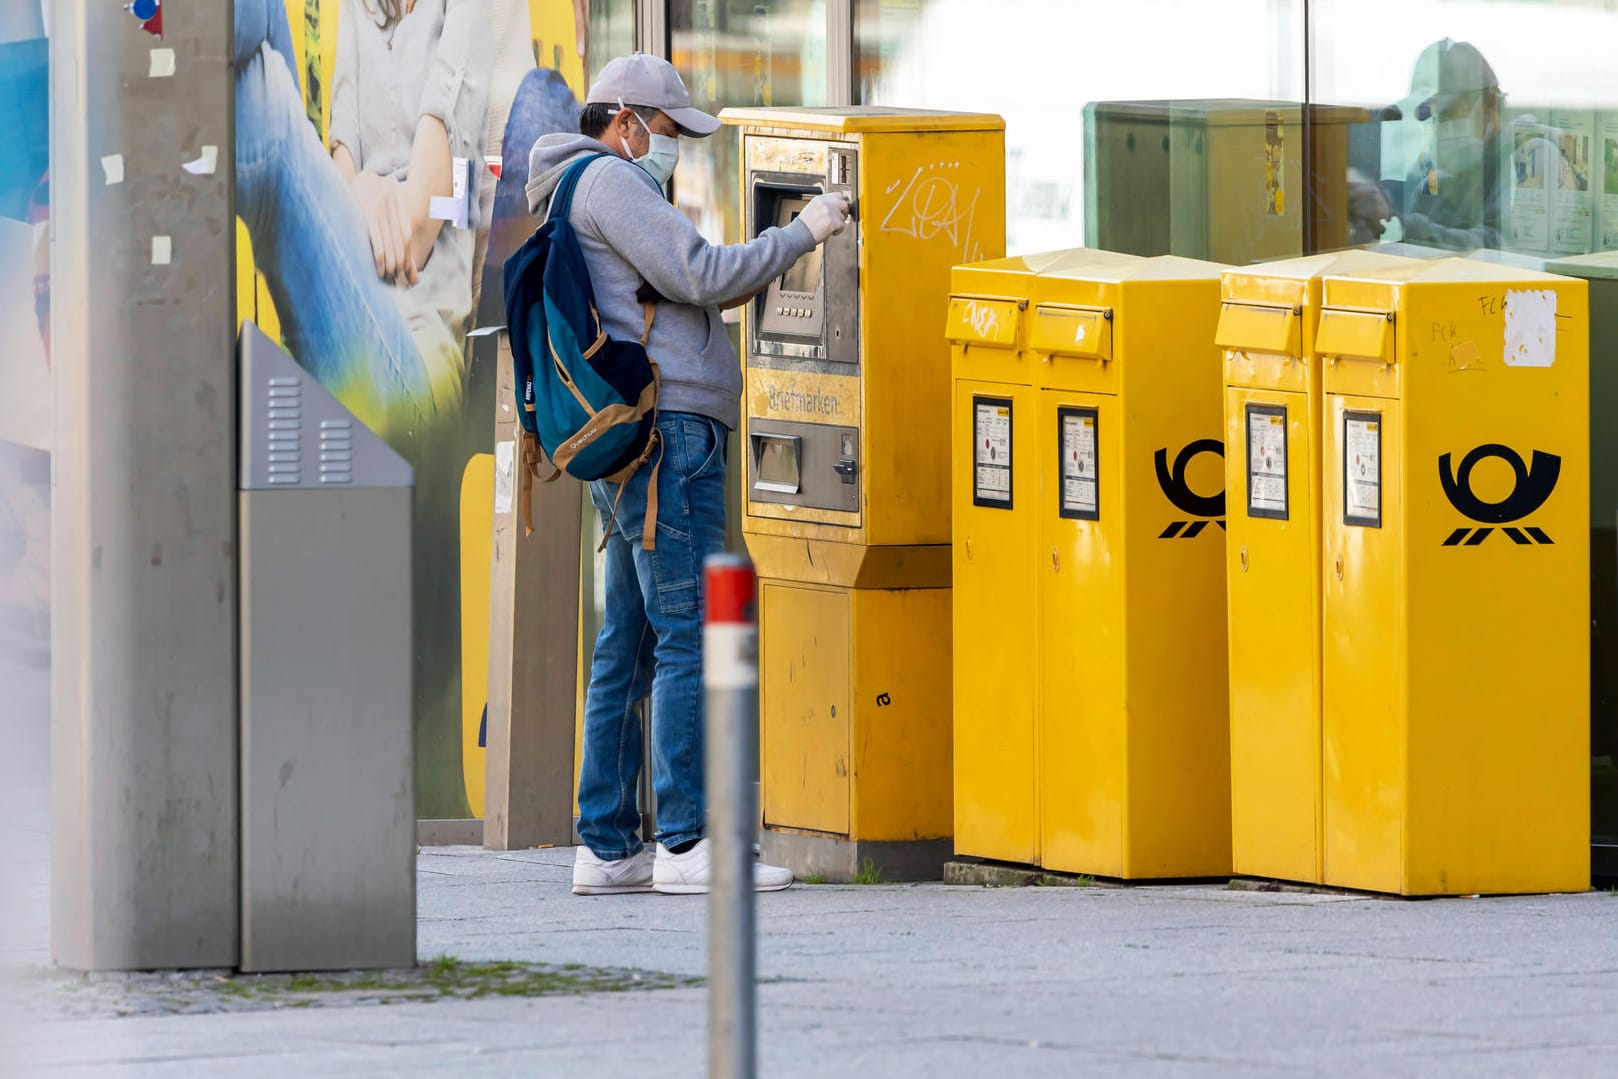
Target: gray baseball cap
{"points": [[652, 82]]}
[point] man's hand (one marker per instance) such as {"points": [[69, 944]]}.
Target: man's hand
{"points": [[826, 215], [381, 204], [1367, 208]]}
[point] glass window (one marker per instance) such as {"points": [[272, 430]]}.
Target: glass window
{"points": [[1498, 121], [612, 33], [739, 52], [1152, 127]]}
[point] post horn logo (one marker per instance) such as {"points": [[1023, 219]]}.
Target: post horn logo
{"points": [[1187, 501], [1531, 486]]}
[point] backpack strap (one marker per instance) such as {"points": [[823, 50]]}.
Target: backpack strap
{"points": [[648, 532], [528, 446], [562, 198]]}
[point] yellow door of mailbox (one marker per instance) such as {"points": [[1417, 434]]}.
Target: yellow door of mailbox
{"points": [[995, 668], [846, 471], [1456, 562], [1273, 403], [1089, 567]]}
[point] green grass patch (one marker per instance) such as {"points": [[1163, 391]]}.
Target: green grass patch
{"points": [[441, 978]]}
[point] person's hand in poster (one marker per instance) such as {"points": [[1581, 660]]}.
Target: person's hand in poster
{"points": [[381, 203]]}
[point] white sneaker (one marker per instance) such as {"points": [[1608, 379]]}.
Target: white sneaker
{"points": [[691, 872], [593, 875]]}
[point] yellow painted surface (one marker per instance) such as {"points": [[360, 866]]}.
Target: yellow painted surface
{"points": [[1268, 326], [1362, 739], [1174, 701], [1080, 572], [556, 34], [1116, 623], [477, 547], [855, 607], [804, 707], [984, 321], [1273, 579], [1250, 327], [851, 565], [929, 201], [1456, 661], [901, 747], [1059, 330], [995, 776]]}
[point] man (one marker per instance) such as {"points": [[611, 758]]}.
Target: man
{"points": [[638, 246], [1452, 197]]}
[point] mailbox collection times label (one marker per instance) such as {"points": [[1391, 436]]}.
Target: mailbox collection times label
{"points": [[1267, 461], [1362, 469], [991, 437], [1080, 480]]}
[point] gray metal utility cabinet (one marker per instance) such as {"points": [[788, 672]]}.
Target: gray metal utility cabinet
{"points": [[328, 818]]}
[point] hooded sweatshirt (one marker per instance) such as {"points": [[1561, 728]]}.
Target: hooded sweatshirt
{"points": [[629, 234]]}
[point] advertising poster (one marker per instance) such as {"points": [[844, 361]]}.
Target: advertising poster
{"points": [[1532, 160], [1607, 240], [356, 120], [25, 400], [1573, 223]]}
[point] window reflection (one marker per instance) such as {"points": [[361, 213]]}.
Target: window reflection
{"points": [[1108, 109]]}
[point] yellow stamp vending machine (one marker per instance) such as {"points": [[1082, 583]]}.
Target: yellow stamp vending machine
{"points": [[1456, 544], [1273, 403], [1089, 549], [846, 436]]}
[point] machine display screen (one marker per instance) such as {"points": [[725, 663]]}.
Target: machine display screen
{"points": [[792, 304], [804, 275]]}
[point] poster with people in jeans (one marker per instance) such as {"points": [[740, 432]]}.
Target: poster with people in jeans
{"points": [[381, 153]]}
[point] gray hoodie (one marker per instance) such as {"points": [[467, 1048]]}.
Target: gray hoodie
{"points": [[629, 233]]}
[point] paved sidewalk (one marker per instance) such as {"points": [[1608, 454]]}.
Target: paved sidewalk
{"points": [[927, 981]]}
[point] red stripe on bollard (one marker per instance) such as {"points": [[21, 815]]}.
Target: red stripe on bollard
{"points": [[729, 590]]}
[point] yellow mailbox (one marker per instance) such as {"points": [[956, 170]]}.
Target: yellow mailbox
{"points": [[1089, 573], [1267, 324], [846, 476], [1456, 602]]}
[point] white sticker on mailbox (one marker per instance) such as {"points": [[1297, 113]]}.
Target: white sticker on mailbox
{"points": [[1362, 469], [1079, 476], [991, 434], [1267, 461]]}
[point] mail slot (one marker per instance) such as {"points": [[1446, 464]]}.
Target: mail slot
{"points": [[1248, 327], [1072, 331]]}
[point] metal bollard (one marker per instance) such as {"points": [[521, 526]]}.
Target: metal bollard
{"points": [[730, 677]]}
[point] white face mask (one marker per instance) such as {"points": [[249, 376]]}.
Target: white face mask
{"points": [[662, 154]]}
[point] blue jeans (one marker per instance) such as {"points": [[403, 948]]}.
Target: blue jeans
{"points": [[651, 642], [339, 318]]}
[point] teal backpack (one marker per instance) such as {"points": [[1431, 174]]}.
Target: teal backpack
{"points": [[590, 402]]}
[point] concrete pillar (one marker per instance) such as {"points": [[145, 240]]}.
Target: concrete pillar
{"points": [[143, 725]]}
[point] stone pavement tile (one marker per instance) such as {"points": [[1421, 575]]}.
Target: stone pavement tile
{"points": [[933, 982], [491, 1037]]}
